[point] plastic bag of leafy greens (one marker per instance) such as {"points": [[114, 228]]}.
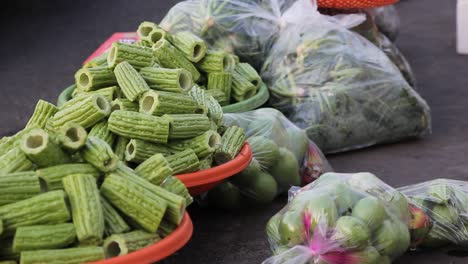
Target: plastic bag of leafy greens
{"points": [[340, 218], [283, 156], [439, 213], [341, 88]]}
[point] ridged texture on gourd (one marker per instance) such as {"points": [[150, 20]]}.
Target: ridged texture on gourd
{"points": [[174, 185], [15, 161], [44, 209], [155, 169], [129, 242], [249, 73], [99, 154], [139, 126], [113, 221], [72, 137], [169, 57], [221, 81], [143, 43], [169, 80], [42, 112], [9, 143], [242, 88], [145, 28], [91, 79], [166, 228], [159, 103], [87, 213], [15, 187], [216, 61], [110, 93], [138, 151], [98, 61], [52, 176], [84, 111], [184, 161], [42, 149], [184, 126], [44, 237], [136, 202], [63, 256], [219, 96], [131, 83], [215, 111], [206, 162], [120, 147], [137, 56], [193, 47], [231, 143], [202, 145], [101, 130], [124, 105]]}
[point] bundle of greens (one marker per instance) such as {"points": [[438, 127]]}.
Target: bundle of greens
{"points": [[340, 88]]}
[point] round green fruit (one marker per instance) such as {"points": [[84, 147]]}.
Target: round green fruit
{"points": [[298, 143], [352, 233], [285, 170], [445, 215], [248, 176], [263, 189], [291, 229], [369, 255], [386, 239], [329, 178], [384, 260], [225, 196], [345, 198], [371, 211], [264, 150], [272, 229], [320, 207]]}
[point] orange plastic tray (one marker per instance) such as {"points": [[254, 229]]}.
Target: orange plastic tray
{"points": [[160, 250], [202, 181], [352, 4]]}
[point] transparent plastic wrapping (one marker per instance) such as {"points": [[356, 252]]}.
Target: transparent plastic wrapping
{"points": [[283, 156], [387, 20], [439, 213], [340, 218], [340, 88]]}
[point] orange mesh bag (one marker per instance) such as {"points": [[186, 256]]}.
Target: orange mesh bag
{"points": [[349, 4]]}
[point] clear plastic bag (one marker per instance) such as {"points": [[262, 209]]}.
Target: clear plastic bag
{"points": [[439, 213], [341, 88], [341, 218], [387, 20], [283, 156]]}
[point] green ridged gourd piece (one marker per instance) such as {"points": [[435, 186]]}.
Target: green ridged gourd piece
{"points": [[43, 209], [241, 89], [170, 57], [137, 151], [43, 237], [42, 112], [231, 143], [87, 212], [10, 143], [63, 256], [219, 96], [15, 187], [130, 81], [113, 221], [124, 105], [51, 177], [91, 79], [120, 147], [15, 161], [184, 161], [101, 130], [175, 204], [176, 186], [169, 80], [158, 34], [215, 111], [206, 162], [143, 43], [216, 61], [155, 169], [42, 149], [137, 56], [99, 154], [72, 137], [110, 93], [84, 111], [136, 202], [123, 244], [145, 29], [249, 73], [139, 126], [8, 262], [159, 103], [183, 126], [203, 145], [99, 61], [193, 47], [166, 228], [220, 81]]}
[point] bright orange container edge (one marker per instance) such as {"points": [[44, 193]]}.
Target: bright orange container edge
{"points": [[353, 4]]}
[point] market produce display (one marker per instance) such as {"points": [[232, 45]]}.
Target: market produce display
{"points": [[283, 156], [341, 218], [95, 177], [340, 88]]}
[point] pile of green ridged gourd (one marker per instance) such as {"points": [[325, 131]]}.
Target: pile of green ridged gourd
{"points": [[93, 178]]}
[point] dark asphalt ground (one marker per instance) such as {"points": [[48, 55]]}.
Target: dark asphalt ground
{"points": [[44, 42]]}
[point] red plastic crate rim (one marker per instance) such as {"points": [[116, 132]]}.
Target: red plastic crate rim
{"points": [[352, 4]]}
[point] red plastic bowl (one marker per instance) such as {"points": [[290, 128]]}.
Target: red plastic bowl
{"points": [[352, 4], [203, 181], [160, 250]]}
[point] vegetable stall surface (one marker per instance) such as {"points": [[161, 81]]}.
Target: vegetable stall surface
{"points": [[96, 174]]}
